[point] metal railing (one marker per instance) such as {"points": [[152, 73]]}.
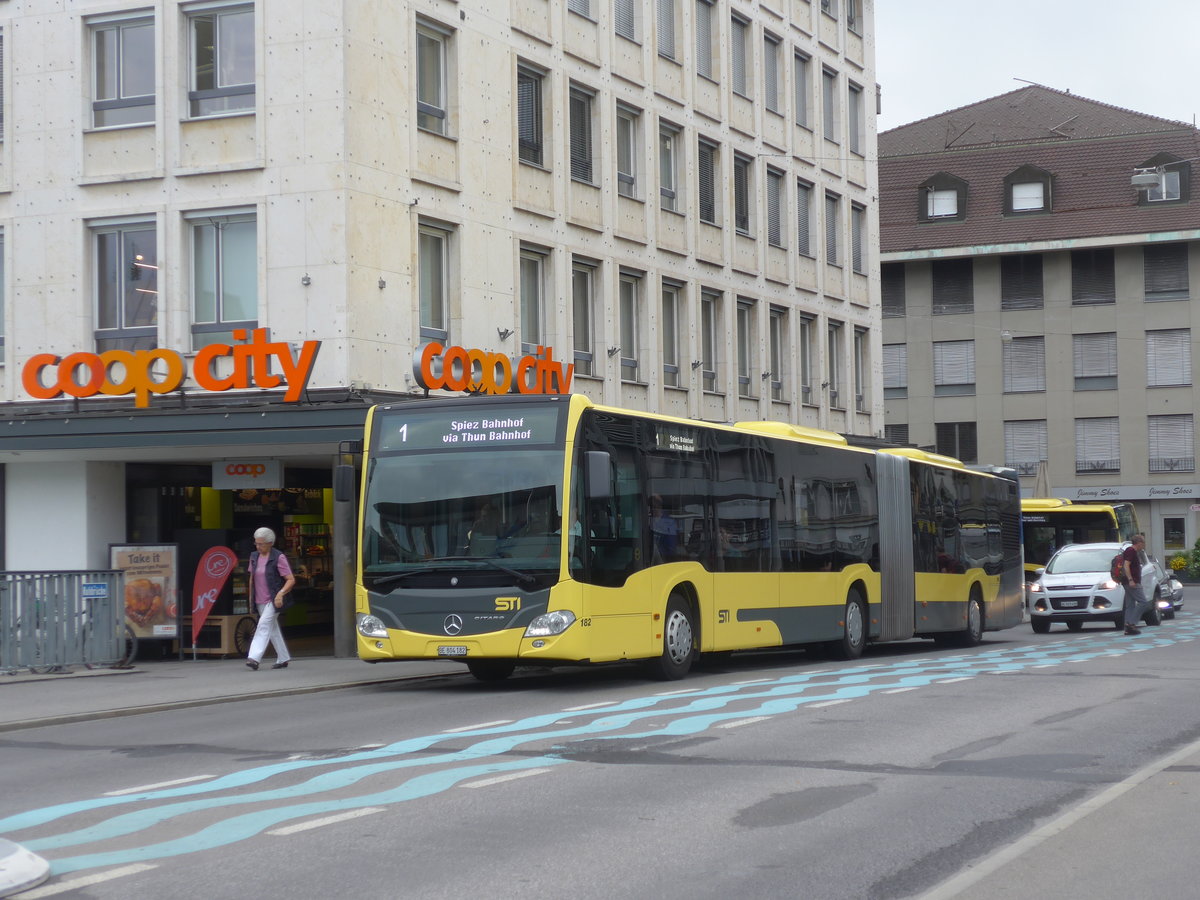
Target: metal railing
{"points": [[52, 620]]}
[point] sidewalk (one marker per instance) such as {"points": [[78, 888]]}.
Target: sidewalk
{"points": [[30, 701]]}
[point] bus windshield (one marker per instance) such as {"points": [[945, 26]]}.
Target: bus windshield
{"points": [[492, 503]]}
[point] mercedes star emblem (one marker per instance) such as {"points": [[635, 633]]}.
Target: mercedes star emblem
{"points": [[452, 625]]}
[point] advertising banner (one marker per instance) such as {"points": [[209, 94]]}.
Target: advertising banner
{"points": [[151, 587], [211, 574]]}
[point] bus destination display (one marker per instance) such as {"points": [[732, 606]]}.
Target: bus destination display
{"points": [[467, 429]]}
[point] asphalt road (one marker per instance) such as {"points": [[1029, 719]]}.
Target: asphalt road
{"points": [[772, 775]]}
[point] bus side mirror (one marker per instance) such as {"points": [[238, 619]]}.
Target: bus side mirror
{"points": [[597, 469], [343, 483]]}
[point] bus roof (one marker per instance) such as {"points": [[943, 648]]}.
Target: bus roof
{"points": [[936, 459]]}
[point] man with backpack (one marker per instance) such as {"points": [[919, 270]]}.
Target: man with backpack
{"points": [[1135, 597]]}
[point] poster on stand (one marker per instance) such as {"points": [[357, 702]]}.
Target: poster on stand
{"points": [[151, 587]]}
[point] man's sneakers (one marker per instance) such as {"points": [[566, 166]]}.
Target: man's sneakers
{"points": [[1132, 629]]}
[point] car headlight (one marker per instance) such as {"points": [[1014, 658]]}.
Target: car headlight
{"points": [[1035, 587], [371, 626], [1109, 585], [550, 623]]}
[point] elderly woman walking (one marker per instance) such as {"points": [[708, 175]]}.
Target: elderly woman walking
{"points": [[271, 580]]}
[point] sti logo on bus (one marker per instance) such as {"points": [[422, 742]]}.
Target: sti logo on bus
{"points": [[460, 369], [122, 372], [508, 604]]}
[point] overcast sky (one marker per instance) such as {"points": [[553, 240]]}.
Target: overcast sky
{"points": [[937, 55]]}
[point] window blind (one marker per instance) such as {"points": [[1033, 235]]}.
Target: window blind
{"points": [[1168, 357], [1171, 443], [1021, 281], [1025, 365], [953, 362], [1166, 271], [953, 286], [1093, 279], [1097, 445], [1025, 445]]}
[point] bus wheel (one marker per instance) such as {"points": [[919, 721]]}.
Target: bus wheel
{"points": [[679, 642], [490, 670], [972, 635], [854, 630]]}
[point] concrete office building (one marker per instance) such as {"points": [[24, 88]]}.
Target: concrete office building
{"points": [[1037, 254], [261, 212]]}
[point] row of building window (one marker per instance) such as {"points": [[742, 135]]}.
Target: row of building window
{"points": [[1093, 280], [220, 69], [1094, 361], [627, 17], [774, 191], [223, 262], [436, 264], [1030, 190], [1170, 443]]}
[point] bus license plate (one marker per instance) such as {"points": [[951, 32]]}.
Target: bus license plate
{"points": [[453, 650], [1068, 603]]}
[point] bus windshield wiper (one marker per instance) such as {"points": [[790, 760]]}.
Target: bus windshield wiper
{"points": [[522, 577], [399, 576]]}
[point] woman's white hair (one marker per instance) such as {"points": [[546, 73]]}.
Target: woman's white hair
{"points": [[265, 534]]}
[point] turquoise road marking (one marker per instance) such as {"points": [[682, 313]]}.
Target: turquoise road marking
{"points": [[690, 713]]}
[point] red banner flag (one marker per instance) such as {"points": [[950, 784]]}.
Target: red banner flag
{"points": [[211, 574]]}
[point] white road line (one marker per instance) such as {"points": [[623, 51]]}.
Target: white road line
{"points": [[899, 690], [828, 703], [74, 884], [327, 820], [753, 681], [677, 693], [155, 787], [589, 706], [982, 869], [953, 680], [740, 722], [475, 727], [500, 779]]}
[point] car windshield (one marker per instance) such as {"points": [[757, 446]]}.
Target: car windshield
{"points": [[1082, 559]]}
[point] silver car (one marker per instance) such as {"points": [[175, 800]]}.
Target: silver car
{"points": [[1077, 587]]}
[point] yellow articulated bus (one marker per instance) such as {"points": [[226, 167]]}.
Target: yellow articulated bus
{"points": [[1048, 523], [546, 530]]}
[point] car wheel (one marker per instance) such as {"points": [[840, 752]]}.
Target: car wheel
{"points": [[1074, 626], [1152, 616], [1040, 625]]}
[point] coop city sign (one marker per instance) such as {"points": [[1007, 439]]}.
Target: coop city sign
{"points": [[122, 372], [461, 369]]}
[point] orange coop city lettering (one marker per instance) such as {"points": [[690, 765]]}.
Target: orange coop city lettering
{"points": [[437, 367], [144, 373]]}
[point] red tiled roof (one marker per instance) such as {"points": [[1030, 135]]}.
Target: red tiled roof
{"points": [[1090, 148]]}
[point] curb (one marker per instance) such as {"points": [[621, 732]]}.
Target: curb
{"points": [[20, 869], [91, 715]]}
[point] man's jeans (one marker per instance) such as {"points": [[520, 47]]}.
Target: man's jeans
{"points": [[1135, 604]]}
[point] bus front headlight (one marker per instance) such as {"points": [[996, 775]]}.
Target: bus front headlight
{"points": [[550, 623], [371, 626]]}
